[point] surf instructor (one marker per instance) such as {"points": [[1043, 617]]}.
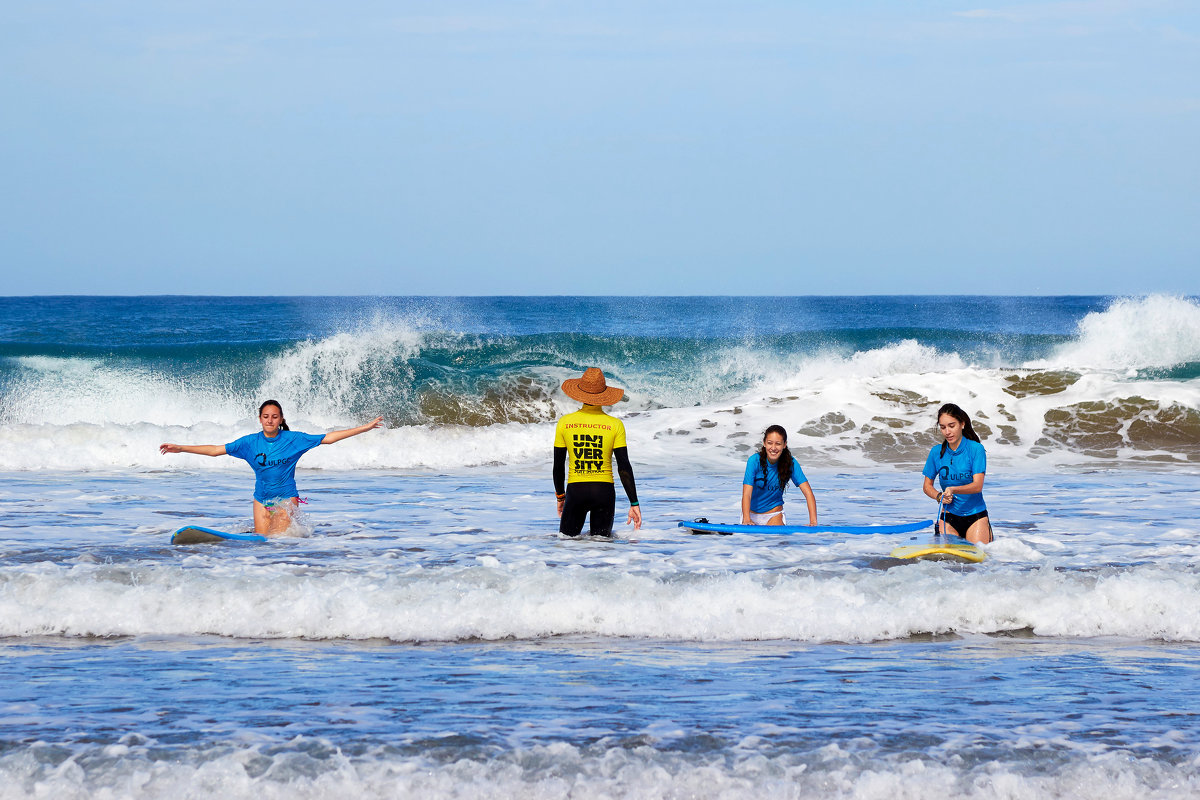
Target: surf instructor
{"points": [[585, 444], [272, 454]]}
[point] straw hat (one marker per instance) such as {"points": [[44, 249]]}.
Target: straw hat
{"points": [[592, 389]]}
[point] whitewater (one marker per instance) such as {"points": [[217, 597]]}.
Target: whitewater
{"points": [[425, 631]]}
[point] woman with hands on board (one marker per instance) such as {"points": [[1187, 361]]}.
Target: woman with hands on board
{"points": [[767, 474], [960, 464], [272, 454]]}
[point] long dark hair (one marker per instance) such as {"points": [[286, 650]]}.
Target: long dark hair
{"points": [[784, 465], [282, 422], [964, 420]]}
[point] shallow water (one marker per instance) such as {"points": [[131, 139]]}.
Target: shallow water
{"points": [[408, 644], [427, 633]]}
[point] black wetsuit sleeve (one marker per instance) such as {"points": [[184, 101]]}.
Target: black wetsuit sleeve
{"points": [[625, 470], [560, 470]]}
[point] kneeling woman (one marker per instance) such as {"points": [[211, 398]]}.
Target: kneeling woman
{"points": [[272, 454], [960, 464], [767, 474]]}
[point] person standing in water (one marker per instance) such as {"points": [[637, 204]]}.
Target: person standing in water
{"points": [[960, 464], [272, 454], [767, 474], [585, 444]]}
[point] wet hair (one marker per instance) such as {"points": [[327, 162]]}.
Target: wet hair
{"points": [[282, 421], [961, 416], [784, 465]]}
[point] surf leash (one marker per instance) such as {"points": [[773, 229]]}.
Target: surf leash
{"points": [[941, 517]]}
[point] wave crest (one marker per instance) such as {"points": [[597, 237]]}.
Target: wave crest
{"points": [[1153, 332], [536, 601]]}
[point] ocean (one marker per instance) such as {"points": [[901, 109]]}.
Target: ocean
{"points": [[426, 632]]}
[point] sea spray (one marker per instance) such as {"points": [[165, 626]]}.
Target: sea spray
{"points": [[853, 392]]}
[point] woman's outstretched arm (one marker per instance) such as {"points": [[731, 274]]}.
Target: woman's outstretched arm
{"points": [[198, 449], [337, 436]]}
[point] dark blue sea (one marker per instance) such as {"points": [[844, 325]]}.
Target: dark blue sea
{"points": [[424, 632]]}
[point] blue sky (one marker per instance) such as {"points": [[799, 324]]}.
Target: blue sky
{"points": [[600, 148]]}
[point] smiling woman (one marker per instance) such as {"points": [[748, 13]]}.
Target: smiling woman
{"points": [[272, 454], [766, 478]]}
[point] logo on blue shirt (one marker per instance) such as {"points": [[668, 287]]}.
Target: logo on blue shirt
{"points": [[261, 458]]}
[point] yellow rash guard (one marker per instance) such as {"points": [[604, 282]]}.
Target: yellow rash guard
{"points": [[590, 436]]}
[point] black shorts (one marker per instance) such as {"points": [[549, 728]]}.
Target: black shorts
{"points": [[595, 497], [961, 524]]}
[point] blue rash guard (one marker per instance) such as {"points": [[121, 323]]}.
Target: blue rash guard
{"points": [[767, 493], [273, 460], [958, 468]]}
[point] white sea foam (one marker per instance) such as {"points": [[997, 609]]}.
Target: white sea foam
{"points": [[324, 378], [66, 391], [346, 370], [841, 417], [1132, 334], [906, 357], [854, 408], [494, 600], [311, 770]]}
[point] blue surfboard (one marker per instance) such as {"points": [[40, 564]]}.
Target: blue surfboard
{"points": [[704, 526], [194, 534]]}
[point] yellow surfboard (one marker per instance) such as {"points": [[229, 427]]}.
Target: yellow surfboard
{"points": [[937, 547]]}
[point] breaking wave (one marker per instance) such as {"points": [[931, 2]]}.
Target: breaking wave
{"points": [[1125, 384]]}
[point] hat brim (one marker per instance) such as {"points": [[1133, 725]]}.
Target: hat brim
{"points": [[608, 397]]}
